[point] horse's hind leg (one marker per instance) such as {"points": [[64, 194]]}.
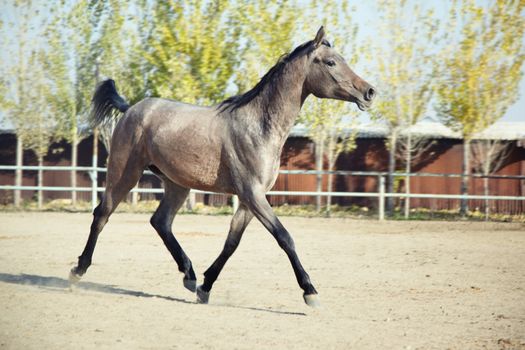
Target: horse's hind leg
{"points": [[120, 180], [263, 212], [162, 219], [240, 221]]}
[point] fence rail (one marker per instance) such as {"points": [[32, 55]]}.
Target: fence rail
{"points": [[381, 194], [397, 174]]}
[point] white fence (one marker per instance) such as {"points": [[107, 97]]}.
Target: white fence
{"points": [[381, 194]]}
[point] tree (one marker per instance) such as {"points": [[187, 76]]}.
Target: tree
{"points": [[21, 29], [480, 69], [113, 57], [268, 28], [67, 61], [193, 50], [404, 74], [331, 124], [83, 39], [411, 149], [333, 132], [38, 125], [489, 156]]}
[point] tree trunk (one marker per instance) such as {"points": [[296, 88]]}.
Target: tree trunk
{"points": [[463, 209], [319, 177], [391, 170], [486, 193], [329, 186], [40, 182], [18, 172], [329, 197], [408, 169], [74, 162]]}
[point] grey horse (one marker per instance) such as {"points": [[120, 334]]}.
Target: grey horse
{"points": [[233, 147]]}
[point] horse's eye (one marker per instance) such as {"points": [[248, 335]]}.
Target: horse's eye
{"points": [[331, 63]]}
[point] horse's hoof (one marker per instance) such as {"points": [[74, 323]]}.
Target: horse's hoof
{"points": [[202, 296], [190, 285], [312, 300], [74, 278]]}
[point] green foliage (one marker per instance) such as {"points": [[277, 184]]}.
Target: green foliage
{"points": [[202, 50], [37, 125], [117, 47], [193, 50], [481, 67], [330, 123], [22, 79], [404, 66], [61, 96], [267, 28], [403, 76]]}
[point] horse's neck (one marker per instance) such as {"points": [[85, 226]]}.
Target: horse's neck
{"points": [[282, 104]]}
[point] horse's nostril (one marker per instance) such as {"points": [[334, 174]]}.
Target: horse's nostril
{"points": [[370, 94]]}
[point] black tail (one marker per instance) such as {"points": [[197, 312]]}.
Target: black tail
{"points": [[105, 100]]}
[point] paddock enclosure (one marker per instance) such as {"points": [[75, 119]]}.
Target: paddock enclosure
{"points": [[393, 284]]}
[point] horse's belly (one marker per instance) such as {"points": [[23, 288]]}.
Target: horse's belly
{"points": [[202, 175], [193, 165]]}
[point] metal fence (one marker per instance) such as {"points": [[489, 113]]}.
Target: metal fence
{"points": [[512, 202], [380, 192]]}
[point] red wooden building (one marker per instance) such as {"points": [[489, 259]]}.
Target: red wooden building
{"points": [[444, 156]]}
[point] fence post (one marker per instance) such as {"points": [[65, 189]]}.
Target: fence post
{"points": [[381, 197], [190, 201], [135, 195], [235, 203], [18, 171]]}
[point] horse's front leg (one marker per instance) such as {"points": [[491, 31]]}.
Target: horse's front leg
{"points": [[259, 206]]}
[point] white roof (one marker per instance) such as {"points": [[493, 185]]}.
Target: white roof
{"points": [[498, 131], [503, 131]]}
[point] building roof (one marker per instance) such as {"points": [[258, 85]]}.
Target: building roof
{"points": [[503, 131], [498, 131]]}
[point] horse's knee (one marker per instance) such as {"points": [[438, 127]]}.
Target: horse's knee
{"points": [[102, 210], [97, 211], [153, 221], [158, 222]]}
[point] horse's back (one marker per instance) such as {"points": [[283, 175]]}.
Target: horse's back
{"points": [[155, 109]]}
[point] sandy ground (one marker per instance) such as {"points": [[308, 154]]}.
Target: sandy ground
{"points": [[383, 285]]}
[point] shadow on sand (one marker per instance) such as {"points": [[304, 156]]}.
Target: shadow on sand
{"points": [[56, 283]]}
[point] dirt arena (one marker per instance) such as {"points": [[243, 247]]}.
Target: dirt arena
{"points": [[394, 285]]}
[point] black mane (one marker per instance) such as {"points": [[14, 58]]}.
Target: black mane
{"points": [[241, 100]]}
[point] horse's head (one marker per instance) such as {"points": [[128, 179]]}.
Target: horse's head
{"points": [[330, 77]]}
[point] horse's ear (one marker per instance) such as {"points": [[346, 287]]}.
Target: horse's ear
{"points": [[319, 37]]}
